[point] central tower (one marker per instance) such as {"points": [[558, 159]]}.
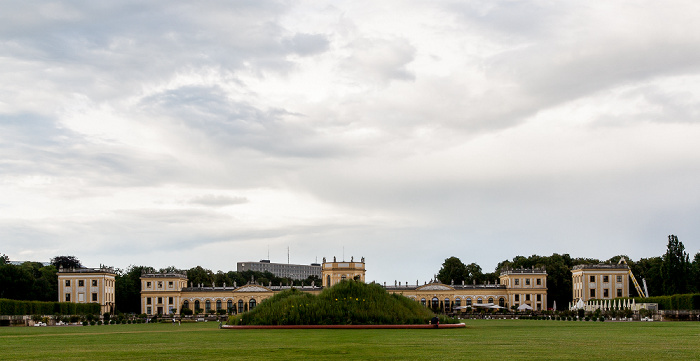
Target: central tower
{"points": [[334, 272]]}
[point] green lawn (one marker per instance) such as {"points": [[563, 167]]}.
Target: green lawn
{"points": [[482, 339]]}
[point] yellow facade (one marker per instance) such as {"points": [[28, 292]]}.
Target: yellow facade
{"points": [[334, 272], [168, 293], [600, 281], [87, 285]]}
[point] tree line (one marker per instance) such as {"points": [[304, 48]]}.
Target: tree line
{"points": [[668, 274]]}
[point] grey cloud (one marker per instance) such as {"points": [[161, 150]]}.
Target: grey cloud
{"points": [[380, 60], [307, 44], [211, 200]]}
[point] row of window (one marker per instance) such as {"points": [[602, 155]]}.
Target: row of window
{"points": [[538, 281], [160, 284], [527, 298], [81, 297], [606, 293], [81, 283], [229, 305], [458, 302], [591, 279]]}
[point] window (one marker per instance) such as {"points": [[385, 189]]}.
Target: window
{"points": [[148, 284], [490, 299], [67, 283], [160, 300], [591, 279], [606, 279], [186, 304], [81, 297], [447, 303], [197, 305], [478, 300], [148, 311], [218, 305], [251, 304], [527, 297], [422, 301], [170, 284], [160, 284], [81, 283], [469, 302], [435, 302], [527, 282], [539, 282], [539, 298], [229, 306], [517, 298], [592, 293], [67, 297], [170, 300], [94, 297], [458, 302], [207, 305], [240, 306], [517, 281], [605, 293], [148, 300], [619, 292], [619, 279], [502, 302], [94, 283]]}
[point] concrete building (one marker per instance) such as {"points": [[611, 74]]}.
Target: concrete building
{"points": [[87, 285], [283, 270], [600, 281]]}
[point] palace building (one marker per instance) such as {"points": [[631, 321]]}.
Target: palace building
{"points": [[87, 285], [600, 281], [283, 270], [170, 294]]}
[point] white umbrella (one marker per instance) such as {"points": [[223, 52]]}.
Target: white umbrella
{"points": [[524, 306]]}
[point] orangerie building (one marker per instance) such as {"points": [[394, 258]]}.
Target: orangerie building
{"points": [[170, 293]]}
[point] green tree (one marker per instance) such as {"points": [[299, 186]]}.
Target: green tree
{"points": [[675, 267], [473, 274], [649, 270], [199, 275], [4, 259], [696, 273], [127, 290], [66, 262], [452, 270]]}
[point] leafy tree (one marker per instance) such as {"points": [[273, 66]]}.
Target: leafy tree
{"points": [[127, 288], [199, 275], [473, 274], [66, 262], [649, 269], [696, 273], [675, 267], [452, 270], [4, 259]]}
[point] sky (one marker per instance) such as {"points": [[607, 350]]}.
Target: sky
{"points": [[179, 133]]}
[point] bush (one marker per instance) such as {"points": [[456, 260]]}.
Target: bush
{"points": [[85, 323]]}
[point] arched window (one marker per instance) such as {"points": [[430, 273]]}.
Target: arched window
{"points": [[436, 302], [328, 281], [186, 304], [251, 304], [458, 302], [447, 304], [207, 306], [502, 302], [229, 306], [240, 306], [478, 300], [197, 305], [490, 299], [422, 301], [218, 305]]}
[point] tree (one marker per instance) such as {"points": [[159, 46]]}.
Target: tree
{"points": [[473, 274], [452, 270], [696, 273], [127, 290], [66, 262], [199, 275], [649, 270], [675, 267], [4, 259]]}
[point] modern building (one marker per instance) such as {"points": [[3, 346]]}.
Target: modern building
{"points": [[283, 270], [600, 281], [169, 293], [87, 285]]}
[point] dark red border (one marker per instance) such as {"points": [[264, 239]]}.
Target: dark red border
{"points": [[354, 327]]}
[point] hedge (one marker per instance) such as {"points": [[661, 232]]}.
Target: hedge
{"points": [[690, 301], [19, 308]]}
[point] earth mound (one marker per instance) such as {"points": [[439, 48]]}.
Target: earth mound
{"points": [[346, 303]]}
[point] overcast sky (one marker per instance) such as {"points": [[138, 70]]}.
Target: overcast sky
{"points": [[180, 133]]}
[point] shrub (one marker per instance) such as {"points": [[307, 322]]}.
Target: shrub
{"points": [[85, 323]]}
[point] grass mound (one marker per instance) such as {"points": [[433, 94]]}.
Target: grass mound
{"points": [[346, 303]]}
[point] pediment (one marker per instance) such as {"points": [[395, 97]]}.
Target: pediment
{"points": [[252, 288], [435, 287]]}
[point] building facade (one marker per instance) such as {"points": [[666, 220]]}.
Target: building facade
{"points": [[600, 281], [284, 270], [169, 294], [87, 285]]}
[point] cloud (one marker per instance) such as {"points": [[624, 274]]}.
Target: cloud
{"points": [[211, 200]]}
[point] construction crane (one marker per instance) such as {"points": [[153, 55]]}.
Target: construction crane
{"points": [[644, 293]]}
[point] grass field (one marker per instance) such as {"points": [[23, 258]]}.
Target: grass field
{"points": [[481, 339]]}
